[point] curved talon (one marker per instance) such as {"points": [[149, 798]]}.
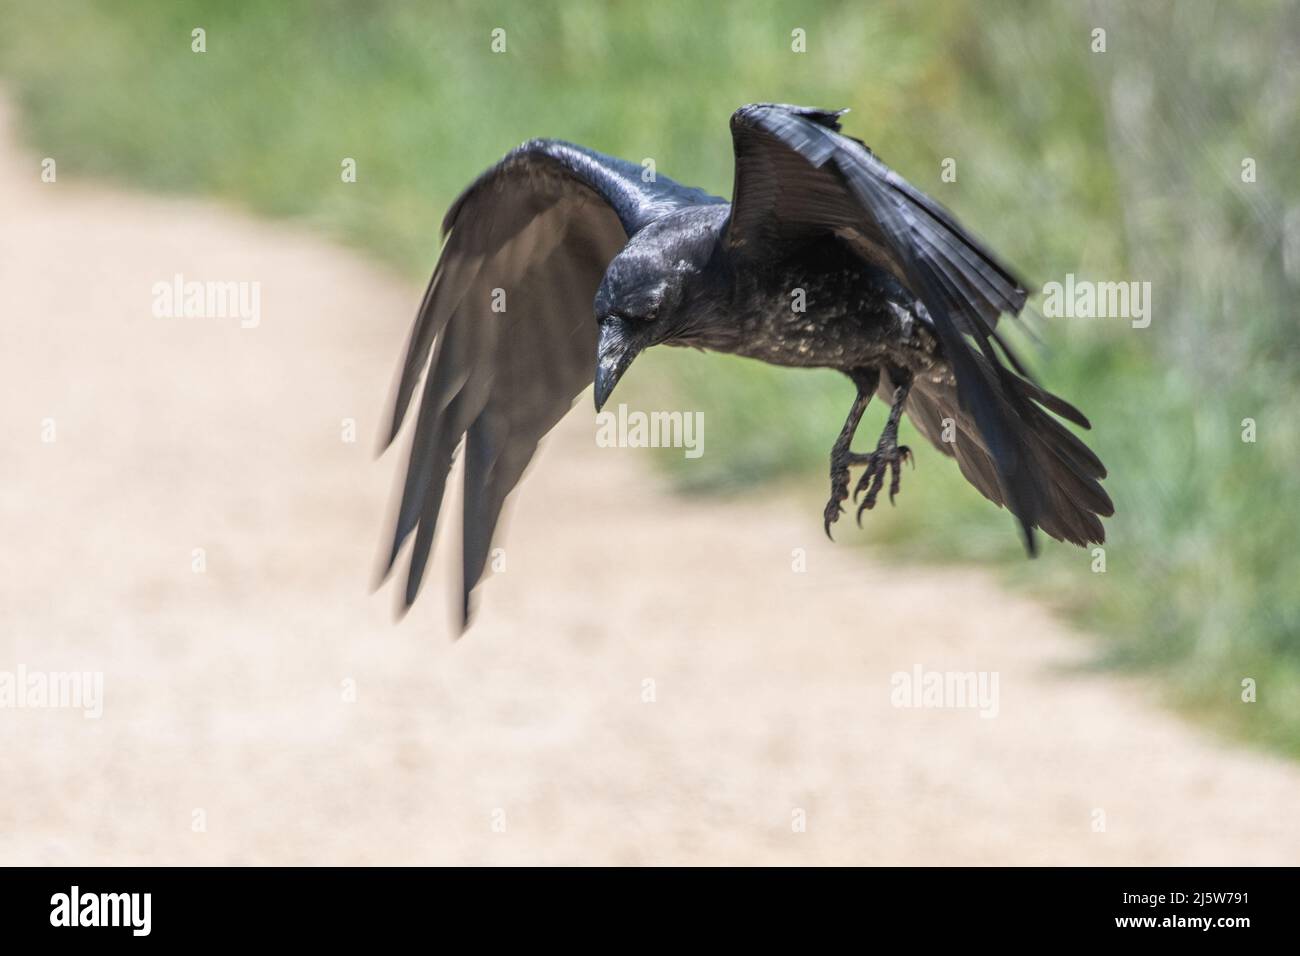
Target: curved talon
{"points": [[865, 481], [877, 479], [839, 492], [831, 517], [896, 470]]}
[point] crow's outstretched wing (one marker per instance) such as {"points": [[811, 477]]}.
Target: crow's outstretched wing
{"points": [[799, 179], [508, 319]]}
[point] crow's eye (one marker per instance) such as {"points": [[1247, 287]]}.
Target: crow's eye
{"points": [[646, 315]]}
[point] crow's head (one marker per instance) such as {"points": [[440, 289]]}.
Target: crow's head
{"points": [[650, 293]]}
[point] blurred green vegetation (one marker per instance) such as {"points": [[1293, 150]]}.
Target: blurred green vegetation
{"points": [[1116, 165]]}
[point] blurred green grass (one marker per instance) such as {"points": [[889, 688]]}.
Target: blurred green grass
{"points": [[1115, 166]]}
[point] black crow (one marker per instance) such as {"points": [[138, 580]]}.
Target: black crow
{"points": [[824, 258]]}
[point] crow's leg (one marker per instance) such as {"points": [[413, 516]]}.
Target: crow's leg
{"points": [[889, 454], [866, 380]]}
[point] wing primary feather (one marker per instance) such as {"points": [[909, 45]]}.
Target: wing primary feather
{"points": [[543, 224]]}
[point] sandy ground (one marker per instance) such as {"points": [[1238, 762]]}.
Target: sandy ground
{"points": [[229, 731]]}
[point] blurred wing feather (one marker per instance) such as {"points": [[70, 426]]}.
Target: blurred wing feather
{"points": [[539, 228]]}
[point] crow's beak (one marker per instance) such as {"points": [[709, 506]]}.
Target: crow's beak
{"points": [[615, 350]]}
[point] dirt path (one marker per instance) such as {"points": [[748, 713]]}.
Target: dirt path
{"points": [[225, 735]]}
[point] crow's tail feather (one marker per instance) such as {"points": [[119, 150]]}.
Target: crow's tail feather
{"points": [[1057, 476]]}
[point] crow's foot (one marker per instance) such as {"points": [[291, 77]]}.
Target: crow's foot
{"points": [[888, 457]]}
